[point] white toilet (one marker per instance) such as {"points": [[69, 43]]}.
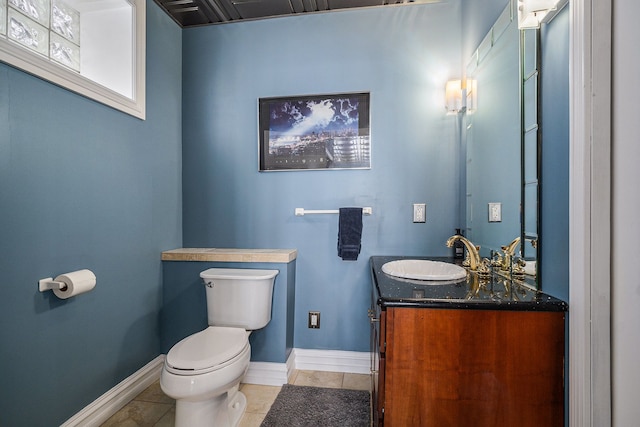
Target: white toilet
{"points": [[203, 371]]}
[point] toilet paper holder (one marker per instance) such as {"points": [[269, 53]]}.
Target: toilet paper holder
{"points": [[50, 284], [69, 284]]}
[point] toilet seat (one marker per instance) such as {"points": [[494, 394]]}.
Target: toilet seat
{"points": [[207, 350]]}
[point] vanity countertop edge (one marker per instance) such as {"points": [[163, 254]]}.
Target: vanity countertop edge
{"points": [[394, 292], [230, 255]]}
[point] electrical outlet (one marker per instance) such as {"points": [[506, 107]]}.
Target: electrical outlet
{"points": [[419, 212], [314, 319], [495, 212]]}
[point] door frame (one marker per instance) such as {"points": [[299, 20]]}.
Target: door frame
{"points": [[590, 225]]}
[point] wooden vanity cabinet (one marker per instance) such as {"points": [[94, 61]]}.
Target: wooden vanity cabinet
{"points": [[467, 367]]}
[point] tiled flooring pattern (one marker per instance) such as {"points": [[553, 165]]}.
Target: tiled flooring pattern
{"points": [[152, 408]]}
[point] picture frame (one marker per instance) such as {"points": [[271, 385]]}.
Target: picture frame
{"points": [[315, 132]]}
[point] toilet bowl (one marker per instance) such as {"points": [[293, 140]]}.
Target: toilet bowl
{"points": [[203, 371]]}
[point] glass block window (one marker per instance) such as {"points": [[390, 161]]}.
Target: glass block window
{"points": [[49, 27], [3, 18], [65, 21], [38, 10], [95, 48]]}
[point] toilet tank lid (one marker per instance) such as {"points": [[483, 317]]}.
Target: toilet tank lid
{"points": [[238, 273]]}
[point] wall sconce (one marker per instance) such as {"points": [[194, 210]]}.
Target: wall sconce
{"points": [[454, 97], [532, 12], [461, 96]]}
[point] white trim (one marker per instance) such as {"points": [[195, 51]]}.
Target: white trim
{"points": [[98, 411], [39, 66], [333, 361], [589, 212], [266, 373], [291, 364]]}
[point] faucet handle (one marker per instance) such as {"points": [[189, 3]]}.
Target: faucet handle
{"points": [[518, 266], [496, 259], [484, 267], [467, 260]]}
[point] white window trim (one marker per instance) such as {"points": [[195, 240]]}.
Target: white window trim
{"points": [[32, 63]]}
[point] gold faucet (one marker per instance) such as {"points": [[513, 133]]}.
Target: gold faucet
{"points": [[511, 247], [509, 252], [472, 250]]}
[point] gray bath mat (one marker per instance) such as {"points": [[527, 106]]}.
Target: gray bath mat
{"points": [[298, 406]]}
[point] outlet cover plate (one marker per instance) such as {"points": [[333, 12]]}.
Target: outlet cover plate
{"points": [[419, 212], [495, 212]]}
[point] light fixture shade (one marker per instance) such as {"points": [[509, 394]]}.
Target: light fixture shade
{"points": [[532, 12], [471, 94], [453, 97]]}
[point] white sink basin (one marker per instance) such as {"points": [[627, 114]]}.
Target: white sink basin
{"points": [[420, 269]]}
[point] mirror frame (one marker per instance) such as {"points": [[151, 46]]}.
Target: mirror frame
{"points": [[32, 63], [530, 237]]}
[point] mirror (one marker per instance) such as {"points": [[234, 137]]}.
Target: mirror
{"points": [[493, 135], [93, 47], [531, 142], [502, 140]]}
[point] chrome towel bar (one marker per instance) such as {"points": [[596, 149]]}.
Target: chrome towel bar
{"points": [[303, 211]]}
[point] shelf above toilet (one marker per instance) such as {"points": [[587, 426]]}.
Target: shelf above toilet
{"points": [[230, 255]]}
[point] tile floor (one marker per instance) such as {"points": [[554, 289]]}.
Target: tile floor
{"points": [[152, 408]]}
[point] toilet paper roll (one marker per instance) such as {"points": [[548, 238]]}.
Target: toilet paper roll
{"points": [[77, 282]]}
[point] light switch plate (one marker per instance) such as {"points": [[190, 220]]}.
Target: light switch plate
{"points": [[314, 319], [495, 212]]}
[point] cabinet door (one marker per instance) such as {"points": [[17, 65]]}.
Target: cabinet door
{"points": [[377, 365], [380, 398], [375, 360], [474, 368]]}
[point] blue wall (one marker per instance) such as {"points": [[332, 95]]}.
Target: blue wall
{"points": [[477, 19], [403, 57], [84, 186]]}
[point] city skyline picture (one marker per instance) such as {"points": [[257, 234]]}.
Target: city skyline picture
{"points": [[313, 132]]}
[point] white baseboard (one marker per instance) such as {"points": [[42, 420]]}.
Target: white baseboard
{"points": [[266, 373], [354, 362], [98, 411], [263, 373], [291, 364]]}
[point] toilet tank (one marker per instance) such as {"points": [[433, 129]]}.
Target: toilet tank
{"points": [[239, 297]]}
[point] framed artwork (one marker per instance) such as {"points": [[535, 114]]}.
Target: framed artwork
{"points": [[315, 132]]}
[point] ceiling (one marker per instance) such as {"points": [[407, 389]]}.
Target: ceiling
{"points": [[189, 13]]}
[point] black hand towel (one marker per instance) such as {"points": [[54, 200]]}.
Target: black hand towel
{"points": [[349, 233]]}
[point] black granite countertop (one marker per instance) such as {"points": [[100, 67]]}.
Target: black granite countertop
{"points": [[491, 293]]}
